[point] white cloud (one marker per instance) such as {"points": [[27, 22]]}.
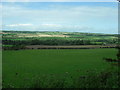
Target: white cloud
{"points": [[60, 18], [17, 25], [51, 25], [58, 13]]}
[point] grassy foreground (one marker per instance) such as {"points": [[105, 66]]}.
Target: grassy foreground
{"points": [[57, 68]]}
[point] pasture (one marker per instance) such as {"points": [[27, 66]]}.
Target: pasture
{"points": [[23, 67]]}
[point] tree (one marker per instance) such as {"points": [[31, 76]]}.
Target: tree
{"points": [[115, 61]]}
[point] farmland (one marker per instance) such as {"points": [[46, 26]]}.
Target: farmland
{"points": [[33, 59], [21, 39], [21, 67]]}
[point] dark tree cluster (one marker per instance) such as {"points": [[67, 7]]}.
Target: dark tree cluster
{"points": [[47, 42], [115, 61]]}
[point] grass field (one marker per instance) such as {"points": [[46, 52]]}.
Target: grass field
{"points": [[22, 67], [18, 35]]}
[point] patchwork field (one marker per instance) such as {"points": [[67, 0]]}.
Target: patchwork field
{"points": [[16, 40], [33, 59], [23, 67]]}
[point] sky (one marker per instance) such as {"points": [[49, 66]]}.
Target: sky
{"points": [[59, 0], [93, 17]]}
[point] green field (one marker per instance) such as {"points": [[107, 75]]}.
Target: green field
{"points": [[25, 38], [22, 67]]}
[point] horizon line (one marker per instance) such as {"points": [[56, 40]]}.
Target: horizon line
{"points": [[58, 31]]}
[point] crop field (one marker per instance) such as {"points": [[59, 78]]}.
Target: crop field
{"points": [[12, 40], [23, 67], [32, 59]]}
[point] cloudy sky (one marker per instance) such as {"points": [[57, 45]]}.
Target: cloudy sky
{"points": [[59, 0], [95, 17]]}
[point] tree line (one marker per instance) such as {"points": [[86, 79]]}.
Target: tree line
{"points": [[47, 42], [57, 42]]}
